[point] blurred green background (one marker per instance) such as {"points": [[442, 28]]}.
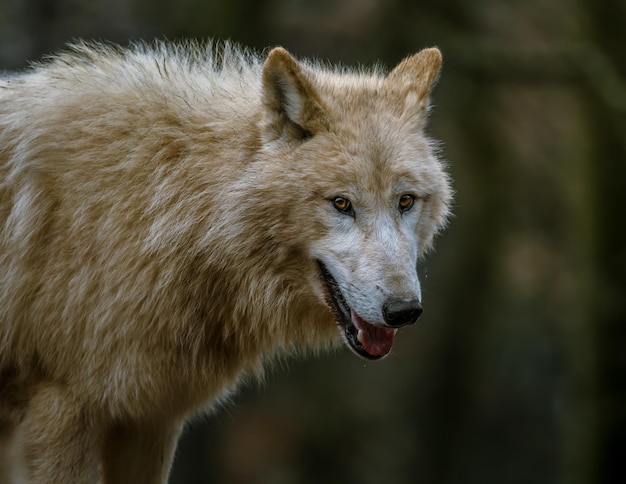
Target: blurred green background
{"points": [[517, 370]]}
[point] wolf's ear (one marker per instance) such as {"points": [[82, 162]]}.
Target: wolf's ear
{"points": [[292, 105], [414, 78]]}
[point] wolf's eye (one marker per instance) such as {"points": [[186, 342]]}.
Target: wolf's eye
{"points": [[343, 205], [406, 202]]}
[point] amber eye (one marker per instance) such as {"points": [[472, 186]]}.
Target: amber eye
{"points": [[342, 204], [406, 202]]}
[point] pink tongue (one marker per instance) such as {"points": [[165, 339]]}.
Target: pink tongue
{"points": [[377, 341]]}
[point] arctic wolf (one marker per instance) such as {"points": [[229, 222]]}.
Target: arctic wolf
{"points": [[173, 217]]}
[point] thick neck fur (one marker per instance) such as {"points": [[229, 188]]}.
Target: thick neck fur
{"points": [[184, 222]]}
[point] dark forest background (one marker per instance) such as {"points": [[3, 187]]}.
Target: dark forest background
{"points": [[517, 370]]}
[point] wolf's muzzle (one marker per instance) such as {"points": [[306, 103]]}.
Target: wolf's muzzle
{"points": [[399, 312]]}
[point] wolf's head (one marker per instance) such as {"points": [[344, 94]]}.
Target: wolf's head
{"points": [[370, 192]]}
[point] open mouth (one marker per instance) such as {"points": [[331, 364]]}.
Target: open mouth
{"points": [[365, 339]]}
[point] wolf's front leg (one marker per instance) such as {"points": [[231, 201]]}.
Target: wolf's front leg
{"points": [[139, 453], [55, 441]]}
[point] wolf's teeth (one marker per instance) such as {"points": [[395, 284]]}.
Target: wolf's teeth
{"points": [[395, 331], [359, 336]]}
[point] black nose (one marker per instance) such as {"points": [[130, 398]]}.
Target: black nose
{"points": [[399, 312]]}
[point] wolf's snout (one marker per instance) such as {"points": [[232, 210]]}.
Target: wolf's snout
{"points": [[399, 312]]}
